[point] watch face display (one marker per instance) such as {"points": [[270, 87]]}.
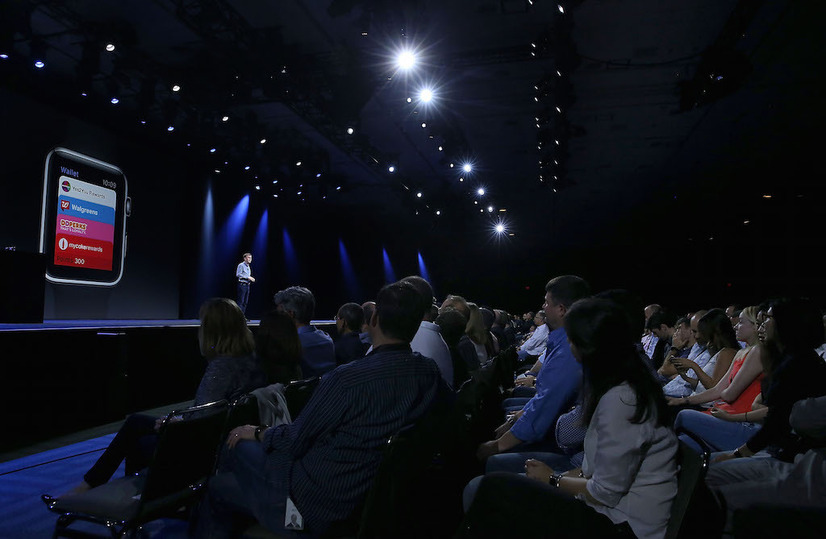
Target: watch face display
{"points": [[83, 227]]}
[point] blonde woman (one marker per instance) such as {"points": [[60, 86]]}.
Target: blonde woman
{"points": [[739, 412]]}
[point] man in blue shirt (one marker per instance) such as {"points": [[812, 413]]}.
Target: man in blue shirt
{"points": [[243, 273], [318, 351], [316, 471], [557, 383]]}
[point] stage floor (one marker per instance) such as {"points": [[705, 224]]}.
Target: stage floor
{"points": [[99, 324]]}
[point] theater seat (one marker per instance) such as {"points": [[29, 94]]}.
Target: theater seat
{"points": [[183, 461], [691, 490]]}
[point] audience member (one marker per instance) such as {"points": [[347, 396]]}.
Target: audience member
{"points": [[733, 313], [523, 326], [368, 308], [621, 490], [319, 354], [231, 370], [488, 319], [478, 334], [456, 302], [685, 382], [557, 383], [452, 325], [649, 340], [465, 347], [428, 341], [349, 346], [716, 329], [661, 324], [503, 329], [681, 343], [278, 348], [534, 345]]}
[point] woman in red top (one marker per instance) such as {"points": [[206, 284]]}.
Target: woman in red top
{"points": [[737, 411]]}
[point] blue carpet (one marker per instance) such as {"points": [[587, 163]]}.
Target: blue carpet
{"points": [[22, 481]]}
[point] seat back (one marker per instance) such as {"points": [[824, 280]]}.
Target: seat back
{"points": [[184, 457], [398, 497], [504, 366], [297, 393], [692, 467], [243, 411]]}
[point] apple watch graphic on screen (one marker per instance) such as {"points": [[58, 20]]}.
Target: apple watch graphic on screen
{"points": [[83, 223]]}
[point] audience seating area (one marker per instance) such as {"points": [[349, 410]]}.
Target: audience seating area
{"points": [[425, 466]]}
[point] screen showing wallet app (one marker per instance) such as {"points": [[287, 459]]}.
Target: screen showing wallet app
{"points": [[85, 225]]}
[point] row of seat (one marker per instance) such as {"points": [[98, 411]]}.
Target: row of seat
{"points": [[416, 491]]}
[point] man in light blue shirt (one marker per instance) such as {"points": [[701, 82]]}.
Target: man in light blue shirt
{"points": [[243, 274]]}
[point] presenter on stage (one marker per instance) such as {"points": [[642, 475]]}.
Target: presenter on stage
{"points": [[244, 275]]}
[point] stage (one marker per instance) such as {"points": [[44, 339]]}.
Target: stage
{"points": [[58, 325], [62, 376], [62, 325]]}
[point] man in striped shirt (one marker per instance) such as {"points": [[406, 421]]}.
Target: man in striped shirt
{"points": [[315, 472]]}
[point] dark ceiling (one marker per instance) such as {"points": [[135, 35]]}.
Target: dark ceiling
{"points": [[675, 120]]}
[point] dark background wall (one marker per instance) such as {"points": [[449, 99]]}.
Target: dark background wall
{"points": [[179, 253]]}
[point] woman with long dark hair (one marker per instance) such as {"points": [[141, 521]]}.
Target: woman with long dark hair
{"points": [[278, 348], [629, 476], [716, 326]]}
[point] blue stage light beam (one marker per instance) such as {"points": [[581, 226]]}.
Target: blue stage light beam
{"points": [[423, 269], [351, 284], [389, 274], [229, 238], [290, 259], [207, 262], [259, 247]]}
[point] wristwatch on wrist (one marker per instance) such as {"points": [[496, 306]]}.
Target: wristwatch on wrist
{"points": [[258, 430], [555, 479]]}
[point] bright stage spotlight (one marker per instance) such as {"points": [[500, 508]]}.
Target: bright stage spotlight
{"points": [[405, 60]]}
